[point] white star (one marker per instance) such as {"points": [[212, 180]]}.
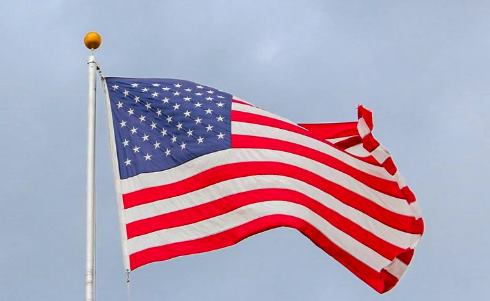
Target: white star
{"points": [[210, 91], [159, 112], [153, 125], [119, 105], [156, 144], [115, 87], [174, 139], [208, 111], [136, 149], [188, 89], [187, 113], [155, 85], [220, 104], [176, 93], [198, 104], [125, 142], [187, 98], [145, 137], [220, 118], [154, 94], [167, 152], [164, 132], [176, 106], [189, 133], [177, 85], [165, 100], [221, 135], [144, 90], [142, 118], [165, 88], [127, 162], [134, 130], [147, 157], [221, 96], [179, 126], [198, 93], [182, 145], [122, 123], [209, 128], [148, 106], [198, 120], [209, 98], [126, 93], [134, 85], [169, 119], [136, 99], [130, 112], [200, 140], [199, 87]]}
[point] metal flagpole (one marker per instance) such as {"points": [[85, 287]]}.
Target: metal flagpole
{"points": [[92, 41]]}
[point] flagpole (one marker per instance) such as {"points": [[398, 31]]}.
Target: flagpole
{"points": [[92, 41]]}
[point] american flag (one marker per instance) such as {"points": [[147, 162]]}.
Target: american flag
{"points": [[198, 169]]}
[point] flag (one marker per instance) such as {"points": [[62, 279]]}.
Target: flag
{"points": [[198, 169]]}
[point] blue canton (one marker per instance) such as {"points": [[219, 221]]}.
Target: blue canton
{"points": [[162, 123]]}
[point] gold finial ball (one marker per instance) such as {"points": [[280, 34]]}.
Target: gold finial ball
{"points": [[92, 40]]}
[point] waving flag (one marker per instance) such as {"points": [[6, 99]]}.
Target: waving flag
{"points": [[198, 169]]}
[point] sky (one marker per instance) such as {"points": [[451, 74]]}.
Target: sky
{"points": [[421, 66]]}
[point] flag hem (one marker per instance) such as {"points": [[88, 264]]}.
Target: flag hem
{"points": [[117, 182]]}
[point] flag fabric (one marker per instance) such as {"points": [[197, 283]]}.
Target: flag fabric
{"points": [[198, 169]]}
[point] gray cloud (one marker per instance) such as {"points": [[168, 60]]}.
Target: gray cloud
{"points": [[421, 66]]}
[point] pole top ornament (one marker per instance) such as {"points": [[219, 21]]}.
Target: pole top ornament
{"points": [[92, 40]]}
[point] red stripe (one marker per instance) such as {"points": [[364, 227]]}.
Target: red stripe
{"points": [[367, 115], [354, 141], [241, 102], [272, 122], [369, 159], [379, 184], [389, 165], [235, 201], [349, 142], [381, 282], [332, 130], [388, 280], [408, 194], [406, 256], [244, 169], [369, 142]]}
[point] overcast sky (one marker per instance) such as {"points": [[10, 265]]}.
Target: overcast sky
{"points": [[421, 66]]}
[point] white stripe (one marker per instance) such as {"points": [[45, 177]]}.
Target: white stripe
{"points": [[396, 268], [233, 186], [335, 140], [363, 128], [358, 150], [380, 154], [239, 99], [401, 180], [417, 212], [245, 128], [254, 110], [249, 213], [117, 182], [203, 163]]}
